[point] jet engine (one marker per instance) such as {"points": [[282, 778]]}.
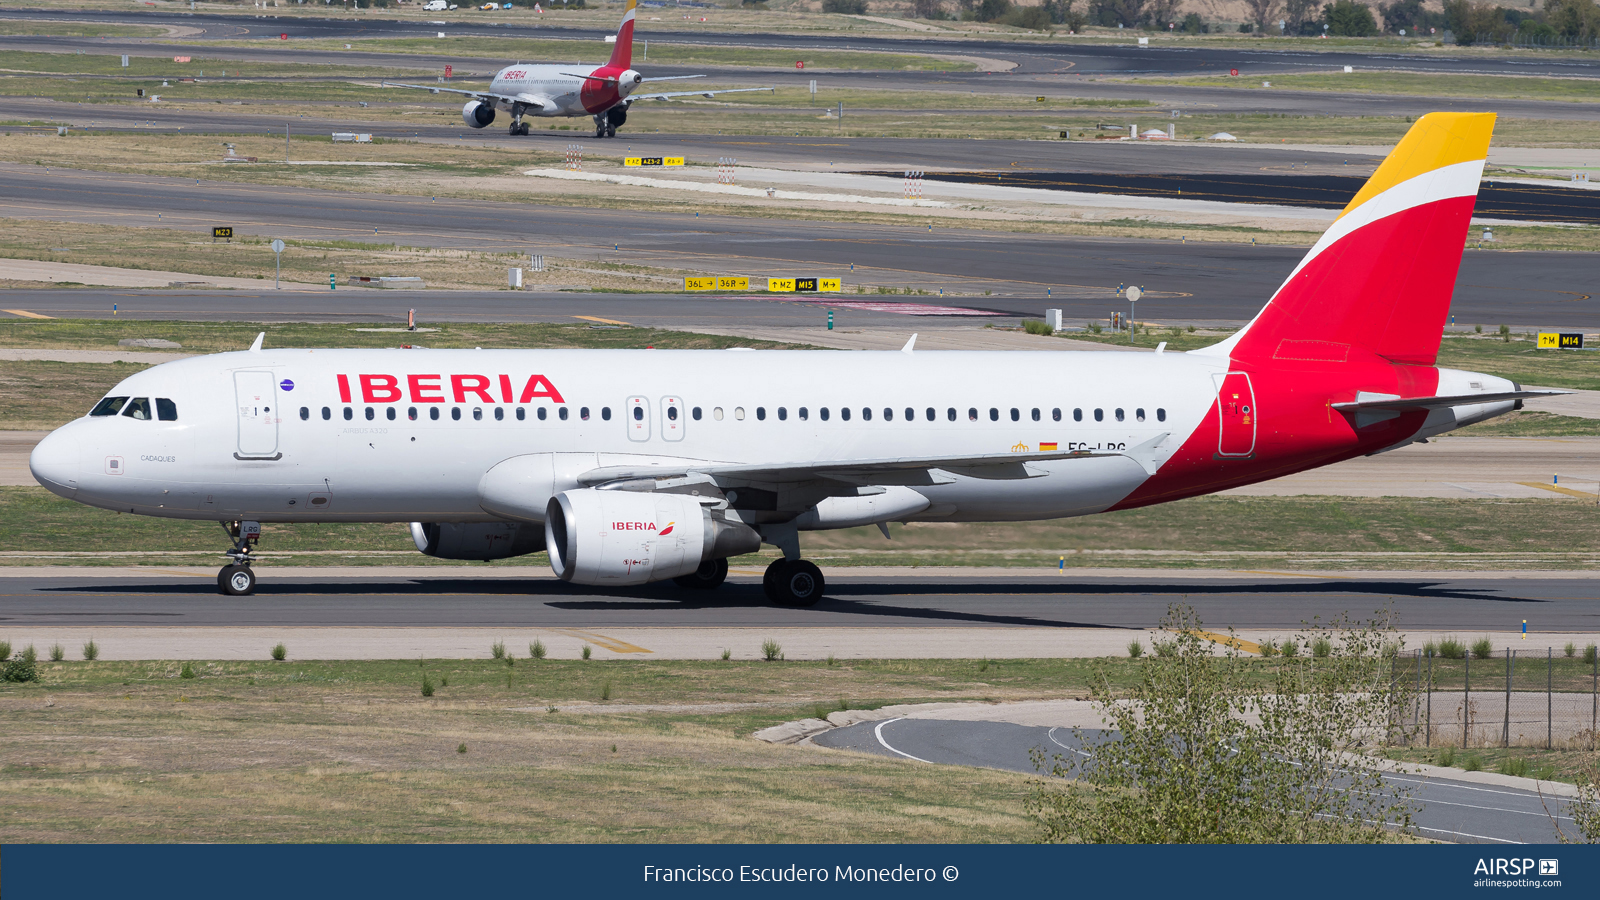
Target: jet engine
{"points": [[627, 537], [617, 116], [477, 114], [477, 540]]}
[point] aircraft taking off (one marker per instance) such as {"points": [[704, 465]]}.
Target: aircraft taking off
{"points": [[556, 91], [632, 466]]}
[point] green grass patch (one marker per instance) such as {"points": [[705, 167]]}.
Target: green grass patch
{"points": [[1520, 360], [57, 28], [1525, 762], [1504, 87], [1531, 423]]}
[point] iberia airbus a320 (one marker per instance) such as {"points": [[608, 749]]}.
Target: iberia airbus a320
{"points": [[633, 466], [567, 91]]}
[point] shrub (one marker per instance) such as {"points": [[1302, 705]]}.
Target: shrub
{"points": [[1269, 648], [1515, 767], [984, 665], [587, 651], [1033, 18], [5, 650], [427, 686], [498, 650], [726, 654], [1164, 649], [1289, 649], [280, 652], [30, 655], [57, 653], [1482, 648], [18, 671], [1589, 654], [1471, 762], [771, 650], [1347, 18], [461, 748], [1430, 648], [1570, 650], [845, 7], [444, 681], [1135, 649], [1034, 326], [1450, 648], [91, 651], [605, 690], [536, 650], [1321, 648], [831, 661], [186, 670], [1193, 24], [1447, 756]]}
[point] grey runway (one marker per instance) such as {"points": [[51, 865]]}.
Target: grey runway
{"points": [[1184, 282], [1454, 811], [301, 597]]}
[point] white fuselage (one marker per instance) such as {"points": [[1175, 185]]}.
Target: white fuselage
{"points": [[558, 90]]}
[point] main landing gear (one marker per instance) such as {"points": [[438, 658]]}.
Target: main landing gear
{"points": [[237, 579], [518, 127], [607, 123], [793, 582]]}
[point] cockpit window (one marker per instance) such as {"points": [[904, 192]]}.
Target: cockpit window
{"points": [[166, 410], [110, 406], [138, 408]]}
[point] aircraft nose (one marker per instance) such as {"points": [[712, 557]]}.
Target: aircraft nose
{"points": [[54, 462]]}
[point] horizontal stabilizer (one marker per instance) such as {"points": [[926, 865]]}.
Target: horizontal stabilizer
{"points": [[1397, 404]]}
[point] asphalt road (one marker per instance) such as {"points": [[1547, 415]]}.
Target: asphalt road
{"points": [[304, 598], [1455, 811], [1185, 282], [1057, 56]]}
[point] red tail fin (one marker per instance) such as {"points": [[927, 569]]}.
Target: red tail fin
{"points": [[1379, 281], [622, 53]]}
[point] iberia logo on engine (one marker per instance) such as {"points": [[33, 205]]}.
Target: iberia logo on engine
{"points": [[635, 526]]}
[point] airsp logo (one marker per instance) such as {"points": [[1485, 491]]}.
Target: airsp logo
{"points": [[1549, 867], [1502, 866]]}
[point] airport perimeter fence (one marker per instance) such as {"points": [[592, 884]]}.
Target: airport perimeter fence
{"points": [[1514, 698], [1522, 41]]}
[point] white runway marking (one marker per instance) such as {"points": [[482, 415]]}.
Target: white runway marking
{"points": [[878, 732]]}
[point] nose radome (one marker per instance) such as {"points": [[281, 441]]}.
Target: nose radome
{"points": [[54, 462]]}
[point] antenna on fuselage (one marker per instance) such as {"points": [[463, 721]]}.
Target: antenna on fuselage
{"points": [[909, 344], [256, 347]]}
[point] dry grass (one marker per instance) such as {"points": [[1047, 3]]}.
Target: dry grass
{"points": [[352, 752]]}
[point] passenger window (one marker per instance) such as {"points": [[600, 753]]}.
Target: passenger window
{"points": [[477, 414], [888, 414], [542, 413], [783, 414], [455, 413], [1036, 415], [695, 413], [994, 414], [1077, 415], [305, 413], [522, 414], [844, 413], [866, 414], [371, 414], [950, 413], [349, 414], [167, 411], [499, 413], [761, 414], [1017, 416], [1139, 414], [638, 414], [583, 413], [109, 406], [972, 414], [138, 408], [738, 413], [931, 415], [1055, 414], [605, 413], [433, 413], [562, 414], [326, 414], [804, 414], [1099, 415], [823, 413], [389, 413], [411, 413], [1119, 415], [716, 413], [672, 414], [1161, 415]]}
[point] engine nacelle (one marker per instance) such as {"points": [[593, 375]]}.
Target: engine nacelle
{"points": [[477, 114], [627, 537], [477, 540], [627, 81]]}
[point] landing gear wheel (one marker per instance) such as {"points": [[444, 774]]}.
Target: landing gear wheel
{"points": [[237, 581], [519, 128], [794, 583], [708, 577], [611, 131]]}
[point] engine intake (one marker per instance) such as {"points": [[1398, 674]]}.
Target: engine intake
{"points": [[477, 114], [477, 540], [624, 537]]}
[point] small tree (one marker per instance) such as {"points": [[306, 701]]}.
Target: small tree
{"points": [[1263, 12], [1209, 749], [928, 9], [845, 7], [1347, 18]]}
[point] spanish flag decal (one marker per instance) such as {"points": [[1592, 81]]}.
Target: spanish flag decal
{"points": [[1047, 446]]}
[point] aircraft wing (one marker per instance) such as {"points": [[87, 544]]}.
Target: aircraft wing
{"points": [[670, 94], [894, 470], [1396, 404], [524, 99]]}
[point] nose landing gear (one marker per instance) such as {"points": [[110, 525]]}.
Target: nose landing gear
{"points": [[237, 579]]}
